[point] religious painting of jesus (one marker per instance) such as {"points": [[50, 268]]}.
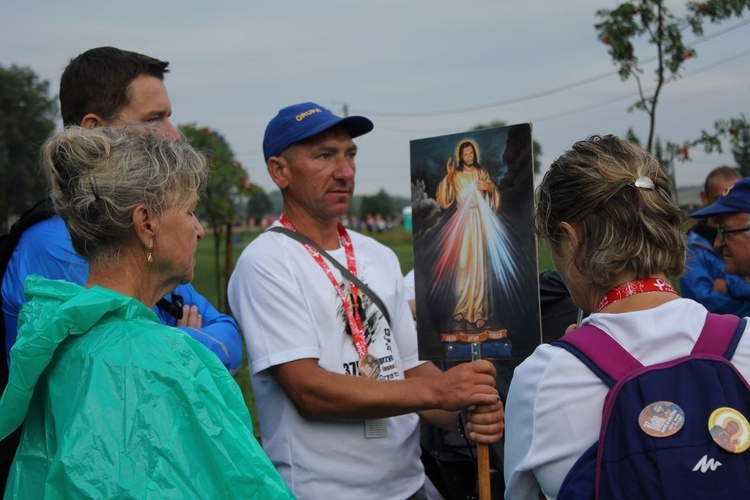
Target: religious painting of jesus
{"points": [[474, 248]]}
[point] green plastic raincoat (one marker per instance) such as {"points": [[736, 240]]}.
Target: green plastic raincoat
{"points": [[114, 404]]}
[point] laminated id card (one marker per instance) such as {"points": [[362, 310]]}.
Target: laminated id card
{"points": [[377, 428]]}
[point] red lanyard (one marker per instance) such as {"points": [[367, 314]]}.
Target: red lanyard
{"points": [[634, 288], [352, 313]]}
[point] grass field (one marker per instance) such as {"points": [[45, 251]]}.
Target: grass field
{"points": [[399, 240]]}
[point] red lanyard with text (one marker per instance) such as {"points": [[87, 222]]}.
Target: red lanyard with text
{"points": [[634, 288], [352, 313]]}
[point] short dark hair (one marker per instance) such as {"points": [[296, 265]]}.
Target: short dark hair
{"points": [[725, 172], [97, 82]]}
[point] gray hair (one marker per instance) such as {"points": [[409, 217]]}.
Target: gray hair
{"points": [[99, 176], [624, 229]]}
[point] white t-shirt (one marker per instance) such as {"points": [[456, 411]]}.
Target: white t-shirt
{"points": [[409, 285], [554, 408], [289, 310]]}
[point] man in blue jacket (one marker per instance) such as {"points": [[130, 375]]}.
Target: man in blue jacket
{"points": [[706, 279], [110, 87]]}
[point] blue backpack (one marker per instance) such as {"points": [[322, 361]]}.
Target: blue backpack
{"points": [[679, 459]]}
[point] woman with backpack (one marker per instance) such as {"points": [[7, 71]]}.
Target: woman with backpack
{"points": [[615, 234]]}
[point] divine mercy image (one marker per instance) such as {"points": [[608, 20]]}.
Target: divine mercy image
{"points": [[475, 268]]}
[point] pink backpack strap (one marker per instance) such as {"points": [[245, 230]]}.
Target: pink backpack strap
{"points": [[611, 362], [720, 335], [600, 352]]}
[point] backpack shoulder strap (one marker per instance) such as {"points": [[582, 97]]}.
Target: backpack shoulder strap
{"points": [[42, 210], [600, 352], [720, 335], [610, 362], [343, 270]]}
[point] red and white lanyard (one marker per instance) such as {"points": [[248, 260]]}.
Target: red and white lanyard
{"points": [[634, 288], [352, 313]]}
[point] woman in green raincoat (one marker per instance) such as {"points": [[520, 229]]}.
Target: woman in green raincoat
{"points": [[113, 403]]}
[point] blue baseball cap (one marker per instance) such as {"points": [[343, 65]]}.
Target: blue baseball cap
{"points": [[298, 122], [735, 198]]}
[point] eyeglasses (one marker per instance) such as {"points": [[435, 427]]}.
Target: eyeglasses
{"points": [[721, 232]]}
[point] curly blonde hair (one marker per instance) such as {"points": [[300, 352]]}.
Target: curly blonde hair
{"points": [[624, 229]]}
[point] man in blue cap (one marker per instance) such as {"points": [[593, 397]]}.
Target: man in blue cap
{"points": [[706, 279], [732, 213], [332, 346]]}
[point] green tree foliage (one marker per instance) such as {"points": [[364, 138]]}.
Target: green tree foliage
{"points": [[27, 117], [537, 146], [380, 203], [228, 182], [622, 27], [736, 130], [741, 152], [259, 203]]}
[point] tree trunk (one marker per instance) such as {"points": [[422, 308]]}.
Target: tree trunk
{"points": [[217, 264], [227, 265]]}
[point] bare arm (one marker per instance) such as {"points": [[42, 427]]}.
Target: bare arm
{"points": [[413, 307], [446, 193], [720, 285], [437, 395], [318, 393]]}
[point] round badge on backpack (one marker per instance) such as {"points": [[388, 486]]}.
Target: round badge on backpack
{"points": [[661, 419], [729, 429]]}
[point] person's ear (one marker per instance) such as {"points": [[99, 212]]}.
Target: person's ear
{"points": [[92, 120], [704, 199], [146, 225], [278, 169], [571, 231]]}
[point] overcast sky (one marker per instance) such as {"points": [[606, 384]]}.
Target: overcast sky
{"points": [[418, 69]]}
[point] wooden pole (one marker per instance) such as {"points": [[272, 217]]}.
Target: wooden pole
{"points": [[483, 470], [483, 450]]}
